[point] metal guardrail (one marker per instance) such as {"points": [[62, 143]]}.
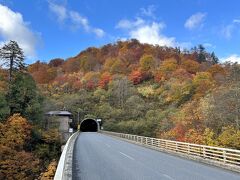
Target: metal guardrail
{"points": [[224, 157]]}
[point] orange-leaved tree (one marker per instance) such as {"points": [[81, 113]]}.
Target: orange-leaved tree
{"points": [[104, 80], [136, 76], [15, 162]]}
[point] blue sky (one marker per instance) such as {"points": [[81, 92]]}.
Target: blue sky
{"points": [[47, 29]]}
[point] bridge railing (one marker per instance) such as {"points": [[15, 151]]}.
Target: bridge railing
{"points": [[224, 157]]}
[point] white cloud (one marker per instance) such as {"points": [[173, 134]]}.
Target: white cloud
{"points": [[59, 10], [209, 45], [151, 33], [80, 21], [228, 30], [127, 24], [77, 21], [149, 11], [234, 58], [146, 32], [98, 32], [194, 21], [236, 21], [13, 27], [124, 23], [184, 45]]}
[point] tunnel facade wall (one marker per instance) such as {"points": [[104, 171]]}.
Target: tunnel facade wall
{"points": [[89, 125]]}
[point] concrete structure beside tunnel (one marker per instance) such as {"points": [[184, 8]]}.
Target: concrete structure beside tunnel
{"points": [[89, 125], [60, 120]]}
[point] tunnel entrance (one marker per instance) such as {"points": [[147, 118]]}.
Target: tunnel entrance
{"points": [[89, 125]]}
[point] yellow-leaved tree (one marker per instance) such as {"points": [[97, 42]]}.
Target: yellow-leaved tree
{"points": [[15, 162]]}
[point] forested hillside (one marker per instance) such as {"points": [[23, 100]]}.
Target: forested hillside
{"points": [[160, 69], [26, 147], [163, 92]]}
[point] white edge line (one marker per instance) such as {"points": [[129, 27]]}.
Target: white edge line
{"points": [[126, 155]]}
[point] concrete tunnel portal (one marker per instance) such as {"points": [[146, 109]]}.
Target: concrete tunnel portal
{"points": [[89, 125]]}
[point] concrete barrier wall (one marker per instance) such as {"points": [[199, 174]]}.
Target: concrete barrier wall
{"points": [[64, 168]]}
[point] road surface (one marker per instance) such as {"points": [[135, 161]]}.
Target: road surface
{"points": [[101, 157]]}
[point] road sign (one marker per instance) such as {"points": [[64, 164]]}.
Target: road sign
{"points": [[71, 130]]}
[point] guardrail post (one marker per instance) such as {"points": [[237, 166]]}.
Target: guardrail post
{"points": [[204, 152], [188, 149], [224, 156], [151, 141], [176, 146]]}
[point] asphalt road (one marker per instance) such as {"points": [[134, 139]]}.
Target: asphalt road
{"points": [[100, 157]]}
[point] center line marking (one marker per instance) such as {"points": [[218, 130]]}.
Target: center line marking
{"points": [[107, 145], [126, 155], [167, 176]]}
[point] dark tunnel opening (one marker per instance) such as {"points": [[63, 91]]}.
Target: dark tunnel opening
{"points": [[89, 125]]}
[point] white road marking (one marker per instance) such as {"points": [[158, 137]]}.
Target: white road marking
{"points": [[126, 155], [107, 145], [167, 176]]}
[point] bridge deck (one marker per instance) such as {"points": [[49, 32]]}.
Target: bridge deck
{"points": [[100, 157]]}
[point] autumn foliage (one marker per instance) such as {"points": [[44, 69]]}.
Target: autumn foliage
{"points": [[16, 162], [22, 157], [179, 85], [149, 90], [135, 88], [104, 80], [136, 76]]}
